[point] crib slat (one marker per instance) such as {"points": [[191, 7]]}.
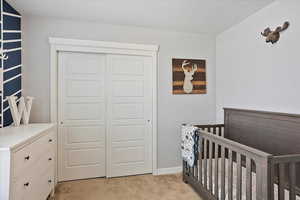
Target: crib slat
{"points": [[259, 179], [205, 164], [281, 181], [272, 180], [222, 131], [196, 170], [200, 160], [183, 167], [216, 170], [292, 178], [214, 130], [239, 177], [230, 170], [193, 171], [196, 174], [248, 179], [222, 173], [210, 165], [199, 163]]}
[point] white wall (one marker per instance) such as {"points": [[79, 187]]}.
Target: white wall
{"points": [[255, 75], [172, 110]]}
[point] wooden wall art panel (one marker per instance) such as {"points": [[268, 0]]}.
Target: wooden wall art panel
{"points": [[189, 76]]}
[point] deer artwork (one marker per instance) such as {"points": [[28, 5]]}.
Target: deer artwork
{"points": [[188, 85], [274, 36]]}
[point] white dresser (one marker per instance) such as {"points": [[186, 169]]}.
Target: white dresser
{"points": [[27, 162]]}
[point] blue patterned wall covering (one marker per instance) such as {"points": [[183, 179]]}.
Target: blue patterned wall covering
{"points": [[11, 73]]}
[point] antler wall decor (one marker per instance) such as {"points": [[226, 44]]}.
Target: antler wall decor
{"points": [[273, 36], [188, 76]]}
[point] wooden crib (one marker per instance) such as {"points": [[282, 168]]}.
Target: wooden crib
{"points": [[254, 155]]}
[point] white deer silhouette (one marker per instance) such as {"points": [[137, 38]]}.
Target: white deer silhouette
{"points": [[187, 85]]}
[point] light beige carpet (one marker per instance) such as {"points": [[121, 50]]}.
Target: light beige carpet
{"points": [[144, 187]]}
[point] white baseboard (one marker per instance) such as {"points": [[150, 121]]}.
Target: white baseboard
{"points": [[171, 170]]}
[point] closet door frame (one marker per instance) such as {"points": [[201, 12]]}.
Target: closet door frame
{"points": [[72, 45]]}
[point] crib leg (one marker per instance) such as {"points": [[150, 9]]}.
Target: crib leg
{"points": [[184, 179], [184, 173]]}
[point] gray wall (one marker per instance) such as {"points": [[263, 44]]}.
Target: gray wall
{"points": [[172, 110], [255, 75]]}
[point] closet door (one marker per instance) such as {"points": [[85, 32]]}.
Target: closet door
{"points": [[81, 106], [129, 115]]}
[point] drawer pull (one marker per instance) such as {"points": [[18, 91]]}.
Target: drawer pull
{"points": [[50, 159], [27, 157], [50, 140], [26, 184], [49, 181]]}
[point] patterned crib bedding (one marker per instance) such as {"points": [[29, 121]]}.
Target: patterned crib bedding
{"points": [[189, 144]]}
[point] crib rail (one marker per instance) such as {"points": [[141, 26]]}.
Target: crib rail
{"points": [[216, 129], [208, 176], [283, 175]]}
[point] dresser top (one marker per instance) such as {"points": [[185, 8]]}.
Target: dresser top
{"points": [[12, 137]]}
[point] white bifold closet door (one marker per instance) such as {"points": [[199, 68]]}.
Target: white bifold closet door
{"points": [[104, 112]]}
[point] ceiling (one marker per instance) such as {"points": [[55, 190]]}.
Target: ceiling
{"points": [[195, 16]]}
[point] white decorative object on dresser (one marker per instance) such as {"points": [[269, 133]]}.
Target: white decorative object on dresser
{"points": [[27, 162]]}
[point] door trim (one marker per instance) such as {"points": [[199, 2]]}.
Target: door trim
{"points": [[74, 45]]}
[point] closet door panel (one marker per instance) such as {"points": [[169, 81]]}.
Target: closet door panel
{"points": [[86, 134], [129, 115], [88, 111], [125, 132], [128, 88], [82, 114]]}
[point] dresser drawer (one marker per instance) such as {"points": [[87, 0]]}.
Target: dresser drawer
{"points": [[24, 188], [34, 186], [28, 156], [43, 165], [45, 185]]}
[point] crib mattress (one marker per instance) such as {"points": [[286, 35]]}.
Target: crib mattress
{"points": [[234, 184]]}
